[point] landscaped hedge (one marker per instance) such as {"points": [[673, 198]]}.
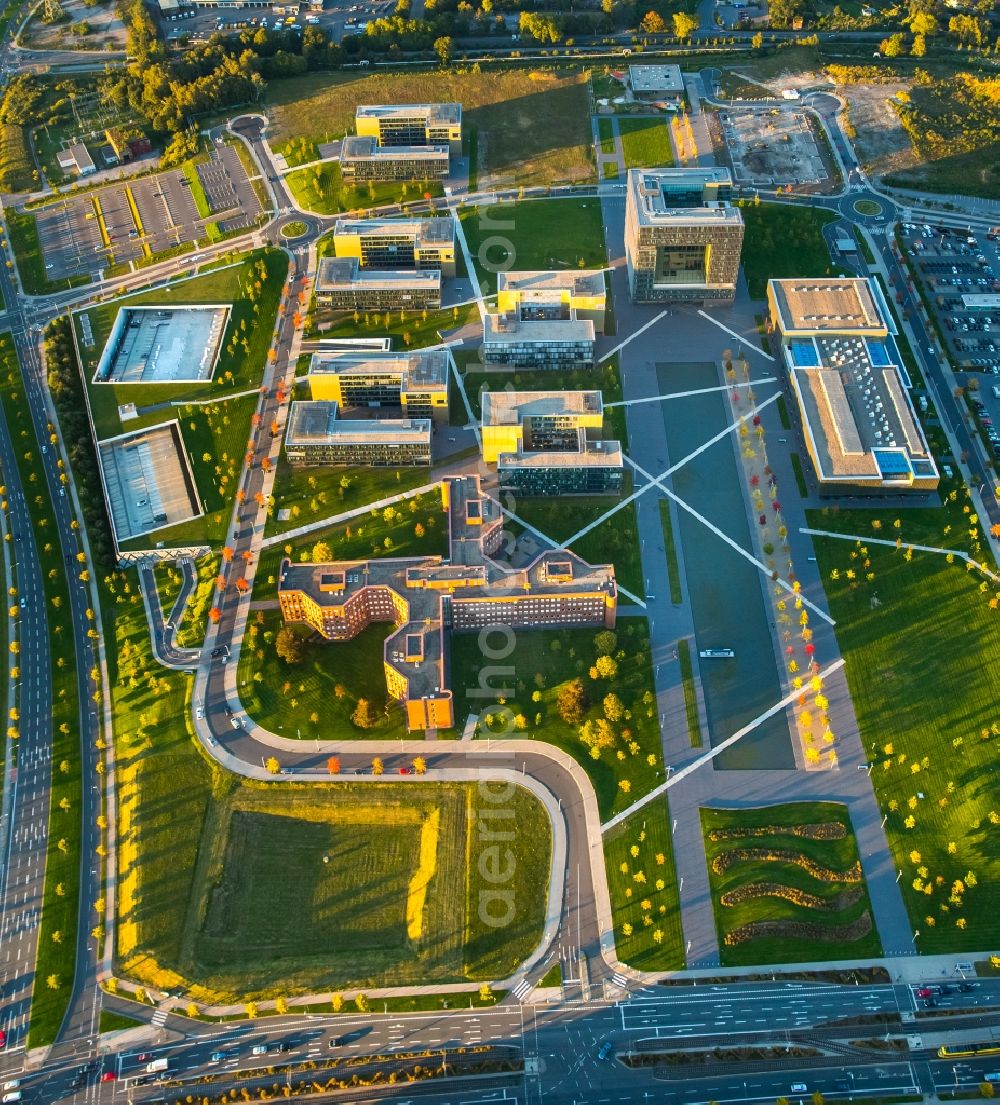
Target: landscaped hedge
{"points": [[824, 830], [725, 860]]}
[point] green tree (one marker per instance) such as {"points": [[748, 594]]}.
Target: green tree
{"points": [[272, 765], [685, 24], [923, 23], [919, 47], [321, 553], [614, 708], [571, 702], [289, 645], [892, 47], [364, 716], [652, 23], [444, 47], [605, 642]]}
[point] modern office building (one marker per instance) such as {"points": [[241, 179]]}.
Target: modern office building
{"points": [[341, 283], [539, 294], [315, 436], [548, 442], [411, 124], [682, 235], [362, 158], [539, 343], [656, 82], [860, 428], [416, 382], [427, 598], [424, 244]]}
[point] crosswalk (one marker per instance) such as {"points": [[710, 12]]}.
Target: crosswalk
{"points": [[159, 1018], [522, 989], [619, 980]]}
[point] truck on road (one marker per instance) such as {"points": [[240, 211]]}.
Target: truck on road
{"points": [[157, 1065]]}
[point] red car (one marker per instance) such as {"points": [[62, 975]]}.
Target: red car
{"points": [[108, 1076], [406, 771], [924, 992], [3, 1038]]}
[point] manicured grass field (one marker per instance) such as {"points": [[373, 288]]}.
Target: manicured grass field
{"points": [[670, 546], [606, 133], [189, 632], [410, 330], [690, 695], [646, 142], [511, 111], [804, 914], [782, 240], [541, 664], [215, 437], [56, 949], [322, 189], [534, 234], [642, 881], [212, 868], [253, 287], [314, 493], [925, 690]]}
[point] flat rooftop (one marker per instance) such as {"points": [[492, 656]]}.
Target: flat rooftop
{"points": [[432, 113], [366, 146], [510, 330], [856, 411], [588, 282], [315, 422], [838, 305], [428, 231], [335, 273], [656, 78], [593, 454], [650, 191], [510, 408], [163, 345], [147, 480], [427, 368]]}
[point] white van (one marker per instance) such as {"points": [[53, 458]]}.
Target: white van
{"points": [[11, 1098]]}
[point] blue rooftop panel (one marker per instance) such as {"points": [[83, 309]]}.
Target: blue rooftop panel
{"points": [[879, 354], [891, 462], [804, 354]]}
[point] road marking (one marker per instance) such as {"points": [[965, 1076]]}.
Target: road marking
{"points": [[733, 334]]}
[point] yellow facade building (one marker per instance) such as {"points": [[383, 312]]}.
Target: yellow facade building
{"points": [[427, 597]]}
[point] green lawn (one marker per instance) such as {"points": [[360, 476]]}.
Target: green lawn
{"points": [[772, 908], [783, 240], [316, 697], [314, 493], [614, 541], [925, 691], [534, 234], [690, 694], [322, 189], [412, 330], [117, 1022], [606, 133], [212, 867], [646, 142], [189, 632], [542, 663], [510, 110], [253, 287], [56, 953], [642, 882], [215, 437], [670, 545]]}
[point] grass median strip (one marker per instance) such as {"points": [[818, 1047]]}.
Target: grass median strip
{"points": [[55, 961], [690, 693], [670, 545]]}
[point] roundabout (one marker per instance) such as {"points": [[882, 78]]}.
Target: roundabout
{"points": [[295, 228], [868, 207]]}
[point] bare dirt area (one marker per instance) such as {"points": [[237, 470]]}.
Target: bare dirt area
{"points": [[882, 145], [772, 147], [83, 27]]}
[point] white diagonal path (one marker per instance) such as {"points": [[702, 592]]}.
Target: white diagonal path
{"points": [[635, 333], [655, 482], [734, 545], [686, 394], [733, 334], [677, 776]]}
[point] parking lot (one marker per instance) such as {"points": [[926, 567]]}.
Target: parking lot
{"points": [[128, 221], [339, 18], [984, 408], [961, 275]]}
